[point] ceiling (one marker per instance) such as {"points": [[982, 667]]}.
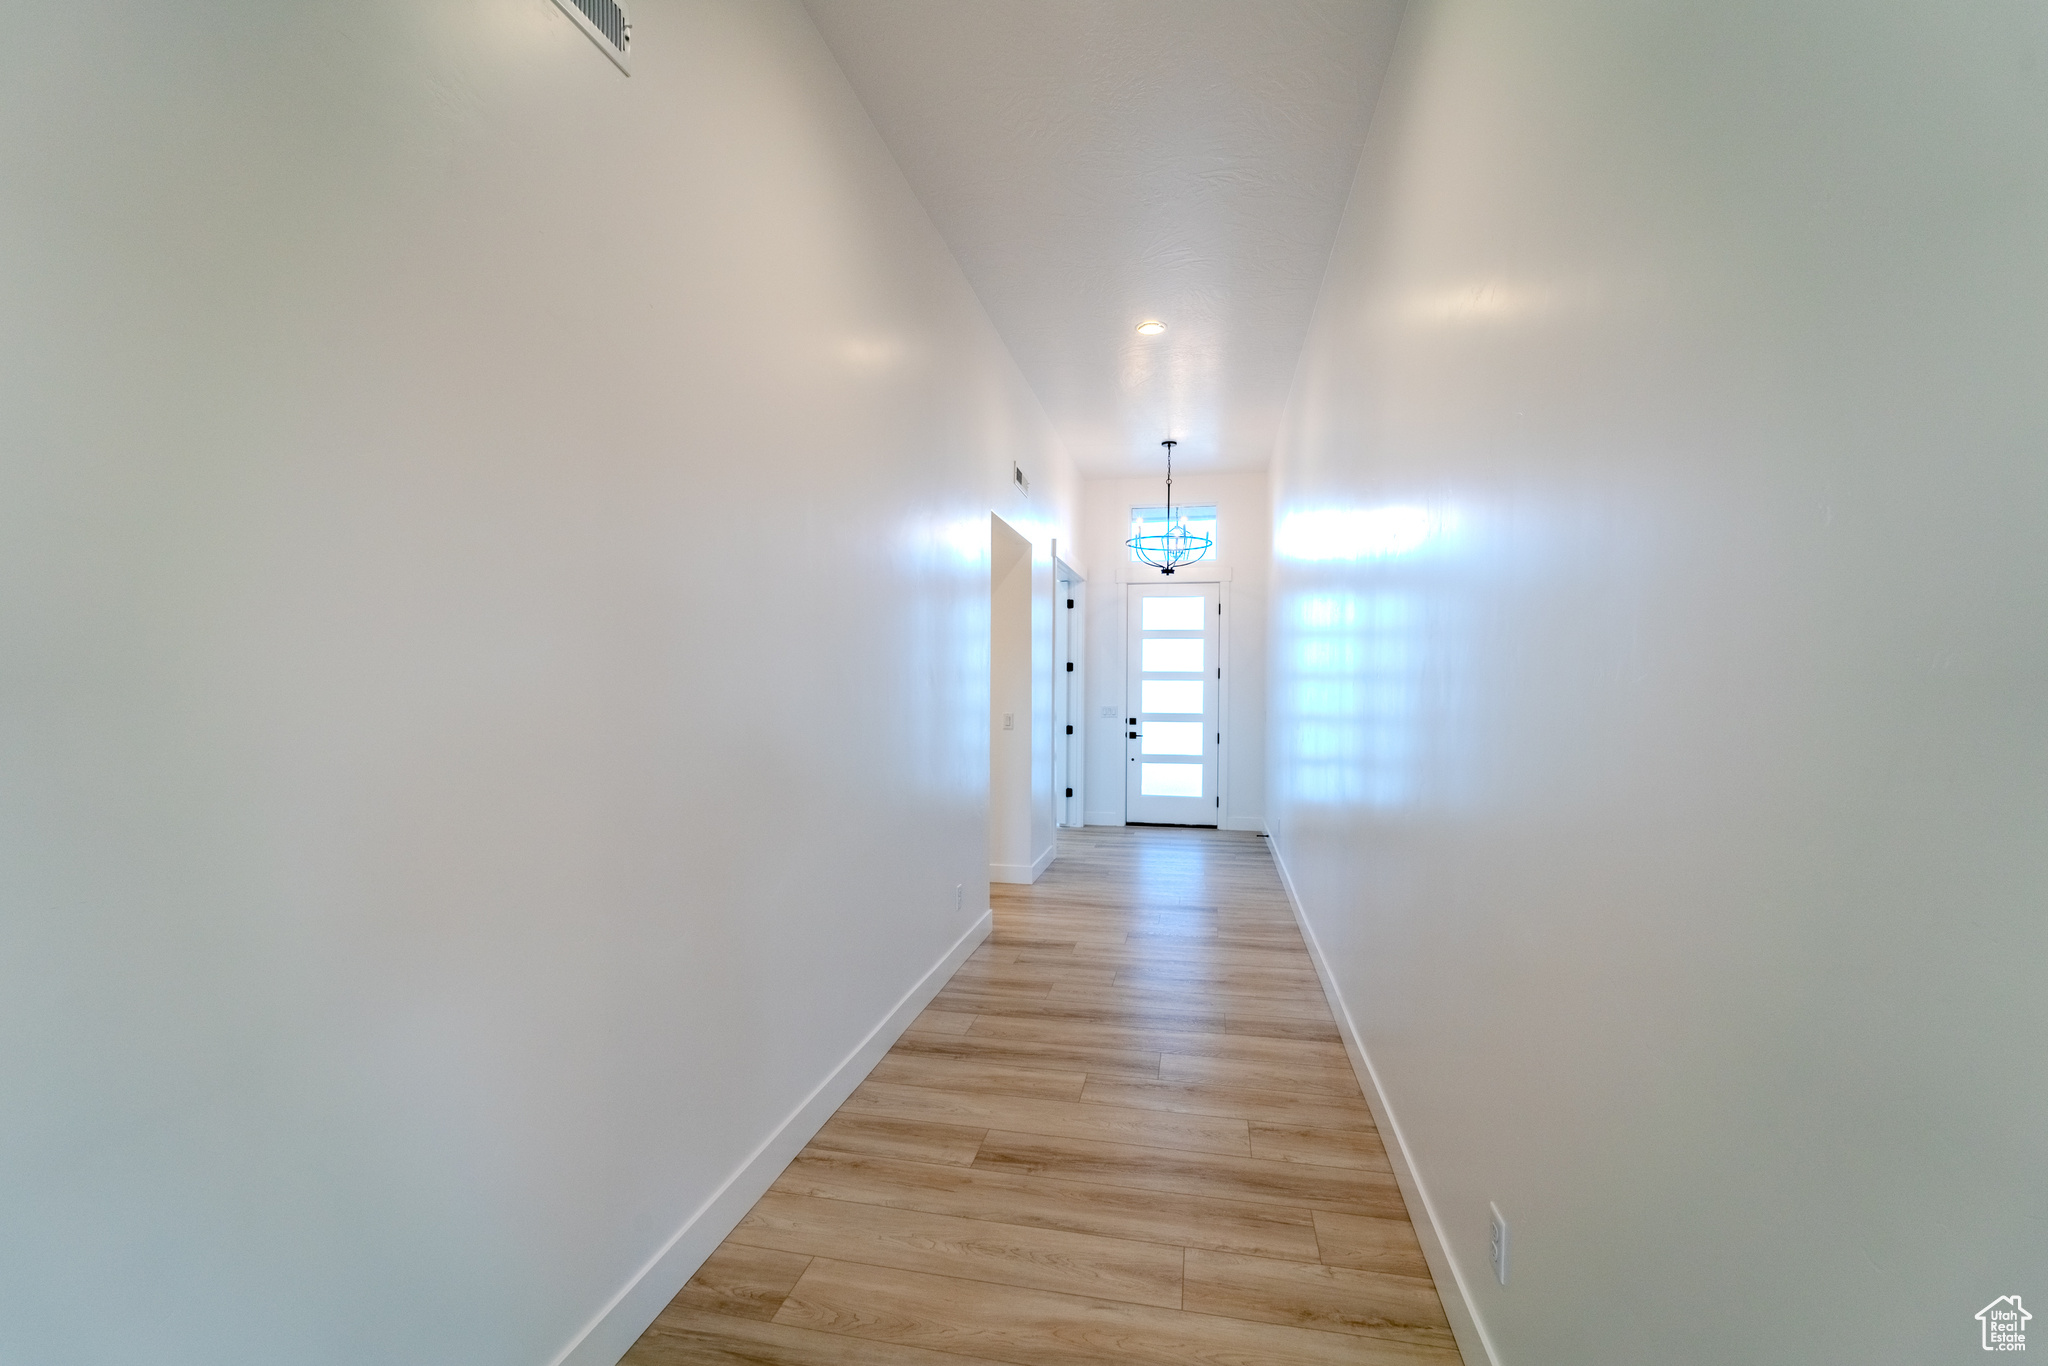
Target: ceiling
{"points": [[1097, 163]]}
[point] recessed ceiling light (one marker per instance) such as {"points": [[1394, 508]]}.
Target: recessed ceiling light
{"points": [[1150, 329]]}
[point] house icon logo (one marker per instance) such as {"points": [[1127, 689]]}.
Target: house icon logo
{"points": [[2005, 1324]]}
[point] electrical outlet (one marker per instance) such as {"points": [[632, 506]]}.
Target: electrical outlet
{"points": [[1109, 713], [1497, 1243], [959, 896]]}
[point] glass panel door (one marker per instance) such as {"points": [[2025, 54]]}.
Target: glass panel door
{"points": [[1171, 715]]}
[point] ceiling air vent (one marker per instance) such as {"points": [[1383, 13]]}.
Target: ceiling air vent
{"points": [[606, 23]]}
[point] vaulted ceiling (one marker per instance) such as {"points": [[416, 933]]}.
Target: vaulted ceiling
{"points": [[1095, 164]]}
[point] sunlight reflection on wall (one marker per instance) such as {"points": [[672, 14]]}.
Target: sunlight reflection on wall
{"points": [[1352, 655], [942, 673], [1355, 666], [1353, 534]]}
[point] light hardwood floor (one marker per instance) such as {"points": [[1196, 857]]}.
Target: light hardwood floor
{"points": [[1124, 1132]]}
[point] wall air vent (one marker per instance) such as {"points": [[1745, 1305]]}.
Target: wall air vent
{"points": [[606, 24]]}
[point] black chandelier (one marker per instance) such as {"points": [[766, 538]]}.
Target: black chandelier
{"points": [[1176, 545]]}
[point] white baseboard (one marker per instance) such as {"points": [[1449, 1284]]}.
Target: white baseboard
{"points": [[1025, 873], [612, 1333], [1451, 1285], [1256, 824], [1104, 818]]}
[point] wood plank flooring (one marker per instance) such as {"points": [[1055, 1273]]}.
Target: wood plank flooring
{"points": [[1125, 1131]]}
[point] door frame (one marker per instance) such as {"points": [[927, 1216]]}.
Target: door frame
{"points": [[1204, 573], [1070, 693]]}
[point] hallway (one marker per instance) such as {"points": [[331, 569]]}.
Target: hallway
{"points": [[1124, 1132]]}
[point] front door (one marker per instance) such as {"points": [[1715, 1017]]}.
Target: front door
{"points": [[1172, 672]]}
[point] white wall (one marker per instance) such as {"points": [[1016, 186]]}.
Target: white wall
{"points": [[1243, 544], [493, 574], [1675, 817]]}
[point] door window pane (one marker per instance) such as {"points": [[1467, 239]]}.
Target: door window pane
{"points": [[1170, 656], [1157, 695], [1175, 614], [1170, 780], [1173, 737]]}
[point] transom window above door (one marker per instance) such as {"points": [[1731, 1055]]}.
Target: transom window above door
{"points": [[1198, 517]]}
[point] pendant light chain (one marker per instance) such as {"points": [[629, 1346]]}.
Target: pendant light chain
{"points": [[1169, 481], [1176, 545]]}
